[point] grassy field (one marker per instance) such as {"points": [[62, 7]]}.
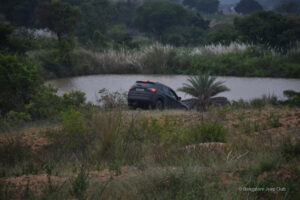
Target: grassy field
{"points": [[224, 153]]}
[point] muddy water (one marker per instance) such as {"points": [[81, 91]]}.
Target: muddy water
{"points": [[241, 88]]}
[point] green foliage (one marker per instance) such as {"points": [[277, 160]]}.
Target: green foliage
{"points": [[266, 164], [203, 87], [206, 6], [223, 35], [248, 6], [5, 31], [273, 120], [77, 136], [58, 16], [66, 45], [74, 99], [290, 149], [97, 16], [45, 103], [206, 132], [19, 12], [18, 83], [120, 37], [13, 151], [162, 17], [270, 29], [157, 16], [288, 6], [80, 184], [293, 98], [17, 117], [183, 35], [183, 186], [291, 93], [159, 60], [254, 62]]}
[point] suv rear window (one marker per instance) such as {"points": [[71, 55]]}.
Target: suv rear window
{"points": [[144, 84]]}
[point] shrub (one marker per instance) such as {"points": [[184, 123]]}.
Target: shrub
{"points": [[178, 186], [293, 98], [273, 120], [111, 100], [17, 117], [80, 184], [206, 132], [13, 151], [74, 99], [18, 82], [45, 103], [289, 149]]}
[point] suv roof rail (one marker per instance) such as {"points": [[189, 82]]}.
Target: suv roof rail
{"points": [[144, 81]]}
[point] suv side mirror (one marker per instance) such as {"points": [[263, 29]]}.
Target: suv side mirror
{"points": [[179, 98]]}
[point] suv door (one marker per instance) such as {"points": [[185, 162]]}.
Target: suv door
{"points": [[176, 103], [171, 98]]}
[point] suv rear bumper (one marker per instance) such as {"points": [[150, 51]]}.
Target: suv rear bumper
{"points": [[144, 102]]}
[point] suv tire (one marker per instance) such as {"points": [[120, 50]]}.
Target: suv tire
{"points": [[159, 105]]}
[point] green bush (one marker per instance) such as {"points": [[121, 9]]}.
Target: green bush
{"points": [[183, 186], [289, 149], [74, 99], [206, 132], [45, 104], [80, 184], [18, 83], [17, 117]]}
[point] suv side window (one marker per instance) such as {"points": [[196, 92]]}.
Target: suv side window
{"points": [[166, 90], [169, 92], [172, 94]]}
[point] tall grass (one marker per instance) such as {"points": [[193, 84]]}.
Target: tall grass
{"points": [[236, 59], [121, 154]]}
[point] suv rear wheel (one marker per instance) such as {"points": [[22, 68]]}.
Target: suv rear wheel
{"points": [[159, 105]]}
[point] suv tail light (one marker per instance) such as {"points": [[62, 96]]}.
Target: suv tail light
{"points": [[152, 89]]}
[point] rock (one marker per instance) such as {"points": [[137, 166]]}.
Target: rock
{"points": [[219, 101], [216, 101]]}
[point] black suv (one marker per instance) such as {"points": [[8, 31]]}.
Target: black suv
{"points": [[147, 94]]}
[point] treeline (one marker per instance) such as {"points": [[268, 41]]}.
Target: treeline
{"points": [[102, 23], [83, 32]]}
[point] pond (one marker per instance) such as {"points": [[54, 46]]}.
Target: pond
{"points": [[240, 88]]}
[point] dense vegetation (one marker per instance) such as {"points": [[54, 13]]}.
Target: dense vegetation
{"points": [[95, 153], [100, 36], [61, 147], [248, 6]]}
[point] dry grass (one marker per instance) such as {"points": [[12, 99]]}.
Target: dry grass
{"points": [[205, 170]]}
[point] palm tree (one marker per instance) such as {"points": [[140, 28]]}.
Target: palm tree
{"points": [[203, 87]]}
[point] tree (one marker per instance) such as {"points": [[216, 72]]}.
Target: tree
{"points": [[18, 83], [224, 35], [12, 42], [289, 6], [59, 17], [156, 16], [19, 12], [171, 22], [5, 31], [248, 6], [203, 87], [206, 6], [269, 28]]}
